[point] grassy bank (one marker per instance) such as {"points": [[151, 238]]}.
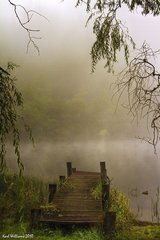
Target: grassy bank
{"points": [[18, 196], [22, 229]]}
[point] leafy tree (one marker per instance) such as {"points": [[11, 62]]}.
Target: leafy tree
{"points": [[10, 102], [10, 99], [111, 34], [140, 80]]}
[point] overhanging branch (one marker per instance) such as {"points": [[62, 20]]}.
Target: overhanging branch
{"points": [[30, 31]]}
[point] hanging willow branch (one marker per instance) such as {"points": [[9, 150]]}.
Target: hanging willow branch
{"points": [[111, 35], [10, 102], [141, 81]]}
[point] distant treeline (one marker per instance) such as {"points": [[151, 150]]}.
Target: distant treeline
{"points": [[83, 115]]}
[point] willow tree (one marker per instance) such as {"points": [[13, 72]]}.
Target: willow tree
{"points": [[140, 79], [11, 102], [112, 35]]}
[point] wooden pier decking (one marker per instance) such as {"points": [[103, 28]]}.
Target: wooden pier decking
{"points": [[73, 199], [75, 202]]}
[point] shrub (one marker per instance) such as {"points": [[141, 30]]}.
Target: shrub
{"points": [[119, 203], [50, 210], [65, 185], [18, 195]]}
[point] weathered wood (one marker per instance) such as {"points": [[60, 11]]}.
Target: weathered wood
{"points": [[73, 170], [103, 172], [88, 174], [69, 169], [62, 178], [75, 203], [109, 222], [77, 195], [78, 212], [35, 217], [52, 191], [105, 195], [72, 221]]}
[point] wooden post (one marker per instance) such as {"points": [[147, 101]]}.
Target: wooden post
{"points": [[109, 224], [73, 170], [103, 172], [105, 196], [69, 169], [52, 191], [35, 216], [62, 178]]}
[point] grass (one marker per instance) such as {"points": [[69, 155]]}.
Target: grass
{"points": [[48, 233], [17, 197], [43, 233], [138, 233]]}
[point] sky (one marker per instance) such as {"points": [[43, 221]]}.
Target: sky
{"points": [[65, 39], [64, 67]]}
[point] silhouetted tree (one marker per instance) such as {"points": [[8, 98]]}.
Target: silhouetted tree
{"points": [[141, 81]]}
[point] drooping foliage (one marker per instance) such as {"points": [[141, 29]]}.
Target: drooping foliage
{"points": [[111, 34], [10, 102], [140, 79]]}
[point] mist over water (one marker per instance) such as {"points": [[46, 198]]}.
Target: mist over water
{"points": [[66, 106], [131, 165]]}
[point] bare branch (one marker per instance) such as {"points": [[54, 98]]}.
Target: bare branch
{"points": [[29, 14], [142, 82]]}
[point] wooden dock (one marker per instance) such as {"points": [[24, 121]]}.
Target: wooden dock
{"points": [[73, 199]]}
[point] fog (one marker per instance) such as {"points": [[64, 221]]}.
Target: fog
{"points": [[71, 111], [131, 166]]}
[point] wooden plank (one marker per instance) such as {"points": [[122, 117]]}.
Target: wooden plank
{"points": [[103, 171], [78, 212], [98, 218], [69, 169], [74, 208], [64, 221], [86, 173], [75, 202], [52, 191]]}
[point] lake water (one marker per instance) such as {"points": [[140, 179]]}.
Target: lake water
{"points": [[131, 164]]}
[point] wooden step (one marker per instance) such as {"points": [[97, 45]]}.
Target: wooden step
{"points": [[85, 173], [74, 201], [70, 198], [73, 195], [78, 206], [73, 219], [77, 198], [82, 213], [81, 189]]}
